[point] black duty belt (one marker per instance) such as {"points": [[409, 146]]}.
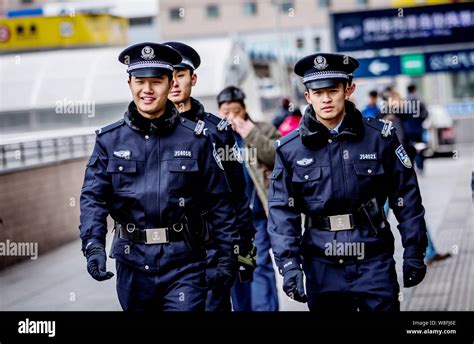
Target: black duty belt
{"points": [[335, 223], [150, 235], [368, 214]]}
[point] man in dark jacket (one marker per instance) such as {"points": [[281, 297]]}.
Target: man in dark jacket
{"points": [[152, 173], [338, 169]]}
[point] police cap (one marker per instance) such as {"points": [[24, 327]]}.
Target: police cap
{"points": [[191, 59], [323, 70], [148, 60]]}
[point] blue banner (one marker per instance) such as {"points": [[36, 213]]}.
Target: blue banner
{"points": [[403, 27], [449, 61], [378, 66]]}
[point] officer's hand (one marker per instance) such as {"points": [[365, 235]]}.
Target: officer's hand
{"points": [[220, 281], [293, 285], [414, 271], [96, 258]]}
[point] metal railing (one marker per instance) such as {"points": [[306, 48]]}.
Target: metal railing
{"points": [[45, 150]]}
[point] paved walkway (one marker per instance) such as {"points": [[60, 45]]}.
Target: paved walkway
{"points": [[59, 280]]}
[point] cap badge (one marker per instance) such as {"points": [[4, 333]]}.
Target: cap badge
{"points": [[320, 62], [148, 53]]}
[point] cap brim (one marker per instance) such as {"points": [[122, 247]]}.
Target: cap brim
{"points": [[312, 85], [183, 66], [149, 72]]}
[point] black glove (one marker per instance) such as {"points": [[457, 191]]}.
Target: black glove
{"points": [[96, 258], [220, 281], [414, 271], [247, 264], [293, 285]]}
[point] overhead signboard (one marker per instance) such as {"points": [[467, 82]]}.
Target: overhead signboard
{"points": [[416, 64], [454, 60], [403, 27], [35, 33], [377, 67], [413, 64]]}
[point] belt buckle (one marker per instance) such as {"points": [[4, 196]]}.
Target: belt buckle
{"points": [[340, 222], [156, 236]]}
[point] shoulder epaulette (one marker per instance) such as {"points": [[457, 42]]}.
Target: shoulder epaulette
{"points": [[287, 138], [384, 126], [110, 127], [198, 128], [211, 118], [220, 123]]}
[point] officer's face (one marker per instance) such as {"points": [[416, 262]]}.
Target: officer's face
{"points": [[183, 82], [232, 110], [328, 102], [150, 94]]}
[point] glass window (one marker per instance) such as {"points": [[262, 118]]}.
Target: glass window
{"points": [[317, 43], [463, 85], [286, 5], [324, 3], [250, 8], [176, 13], [299, 43], [212, 11]]}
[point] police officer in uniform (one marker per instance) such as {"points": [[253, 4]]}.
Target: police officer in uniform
{"points": [[221, 135], [153, 173], [338, 169]]}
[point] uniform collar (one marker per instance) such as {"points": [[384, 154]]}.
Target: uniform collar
{"points": [[336, 128], [196, 112], [157, 125], [313, 131]]}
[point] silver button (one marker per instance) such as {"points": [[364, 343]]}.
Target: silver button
{"points": [[369, 171], [341, 261], [306, 177], [183, 167], [330, 141], [146, 267], [120, 168], [147, 137]]}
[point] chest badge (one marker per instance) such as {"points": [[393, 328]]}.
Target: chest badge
{"points": [[123, 154], [183, 154], [368, 156], [305, 162]]}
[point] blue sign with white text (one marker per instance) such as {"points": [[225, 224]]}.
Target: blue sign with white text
{"points": [[449, 61], [378, 66], [403, 27]]}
